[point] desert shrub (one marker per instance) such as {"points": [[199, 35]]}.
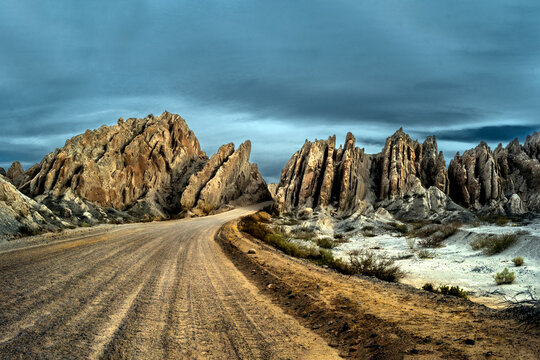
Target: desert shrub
{"points": [[85, 224], [303, 234], [411, 243], [368, 233], [505, 277], [426, 254], [327, 258], [250, 225], [446, 290], [518, 261], [280, 242], [494, 244], [433, 235], [326, 243], [495, 219], [400, 228], [429, 287], [453, 290], [367, 263]]}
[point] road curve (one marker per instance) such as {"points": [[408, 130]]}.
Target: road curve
{"points": [[161, 290]]}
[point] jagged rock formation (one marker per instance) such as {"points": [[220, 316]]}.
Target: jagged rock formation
{"points": [[197, 181], [235, 182], [22, 215], [350, 180], [319, 175], [504, 181], [410, 179], [137, 169], [408, 166], [117, 166], [143, 166], [3, 171], [15, 173], [475, 177]]}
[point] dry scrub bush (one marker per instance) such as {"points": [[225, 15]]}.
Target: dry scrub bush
{"points": [[494, 244]]}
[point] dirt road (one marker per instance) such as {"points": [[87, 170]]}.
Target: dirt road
{"points": [[148, 291]]}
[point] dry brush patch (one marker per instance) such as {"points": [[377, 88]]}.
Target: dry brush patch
{"points": [[368, 318]]}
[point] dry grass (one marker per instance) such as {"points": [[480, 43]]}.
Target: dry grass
{"points": [[494, 244]]}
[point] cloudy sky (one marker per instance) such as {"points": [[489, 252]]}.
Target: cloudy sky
{"points": [[276, 72]]}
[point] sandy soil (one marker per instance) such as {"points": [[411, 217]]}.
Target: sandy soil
{"points": [[147, 291], [366, 318], [456, 263]]}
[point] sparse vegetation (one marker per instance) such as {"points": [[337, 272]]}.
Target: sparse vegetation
{"points": [[433, 235], [85, 224], [494, 244], [367, 263], [326, 243], [303, 234], [400, 228], [426, 254], [360, 262], [446, 290], [518, 261], [411, 243], [505, 277]]}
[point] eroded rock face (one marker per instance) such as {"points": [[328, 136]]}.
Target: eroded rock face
{"points": [[22, 215], [118, 165], [408, 166], [236, 182], [15, 173], [321, 175], [474, 177], [2, 171], [350, 180], [197, 181], [520, 172]]}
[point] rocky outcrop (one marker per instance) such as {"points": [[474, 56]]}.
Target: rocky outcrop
{"points": [[408, 166], [119, 165], [236, 182], [519, 170], [475, 177], [197, 181], [272, 188], [505, 181], [532, 146], [321, 175], [15, 173], [20, 215], [140, 168], [349, 180], [3, 171]]}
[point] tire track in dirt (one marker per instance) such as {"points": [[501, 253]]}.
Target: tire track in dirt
{"points": [[152, 291]]}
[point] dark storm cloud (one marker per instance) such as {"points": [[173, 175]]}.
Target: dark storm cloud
{"points": [[502, 134], [276, 72]]}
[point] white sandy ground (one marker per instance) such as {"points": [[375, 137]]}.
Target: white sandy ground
{"points": [[456, 263]]}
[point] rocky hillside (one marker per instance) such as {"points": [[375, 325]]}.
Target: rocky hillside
{"points": [[140, 168], [410, 179]]}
